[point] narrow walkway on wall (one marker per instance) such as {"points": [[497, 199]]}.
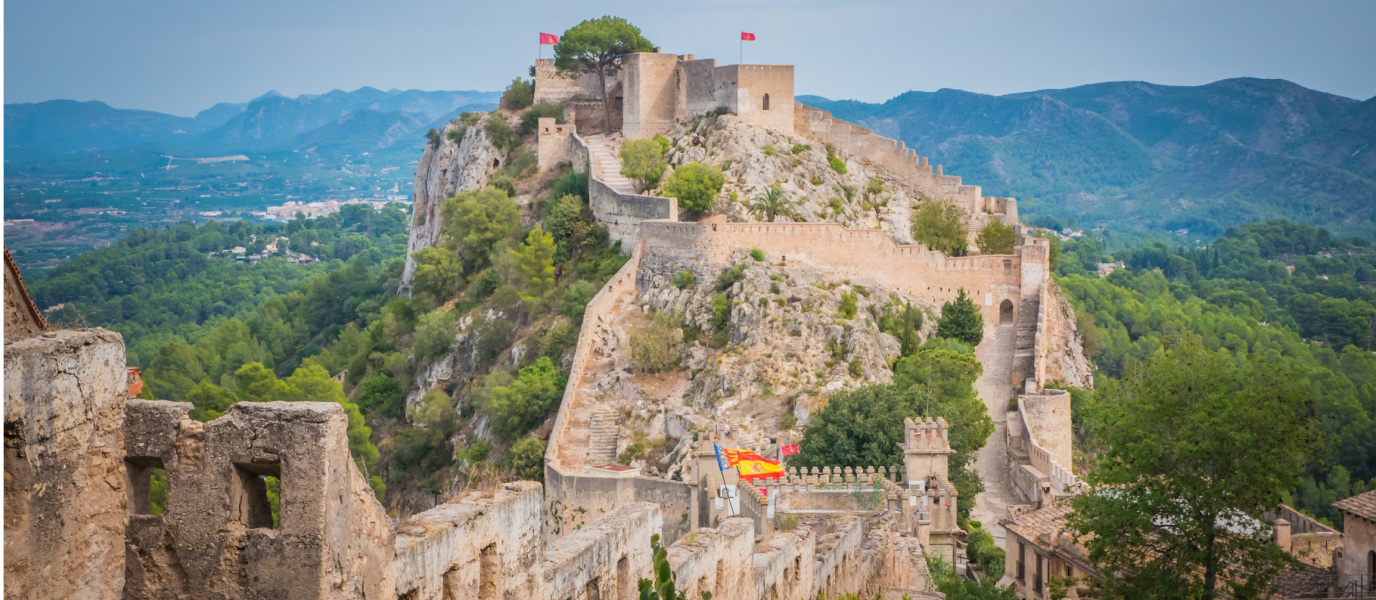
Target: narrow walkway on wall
{"points": [[606, 165], [994, 386]]}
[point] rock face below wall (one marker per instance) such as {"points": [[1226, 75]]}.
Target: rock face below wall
{"points": [[786, 333], [1065, 356], [442, 172], [64, 471]]}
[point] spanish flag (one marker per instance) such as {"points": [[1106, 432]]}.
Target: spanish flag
{"points": [[751, 466]]}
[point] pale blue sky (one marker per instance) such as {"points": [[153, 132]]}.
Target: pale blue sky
{"points": [[182, 56]]}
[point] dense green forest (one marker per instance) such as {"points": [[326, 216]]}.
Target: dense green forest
{"points": [[183, 282], [1241, 293]]}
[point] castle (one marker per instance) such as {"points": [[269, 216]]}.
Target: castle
{"points": [[79, 451]]}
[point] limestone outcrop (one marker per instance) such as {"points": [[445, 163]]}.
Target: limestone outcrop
{"points": [[444, 171]]}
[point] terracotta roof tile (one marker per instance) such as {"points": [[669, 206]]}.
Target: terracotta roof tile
{"points": [[1362, 505], [1047, 520]]}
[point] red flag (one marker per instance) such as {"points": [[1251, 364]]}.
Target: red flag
{"points": [[789, 449], [548, 39], [748, 37]]}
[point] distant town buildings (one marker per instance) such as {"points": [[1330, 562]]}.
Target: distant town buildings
{"points": [[287, 211]]}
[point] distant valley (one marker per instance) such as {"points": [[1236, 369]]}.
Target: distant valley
{"points": [[83, 174]]}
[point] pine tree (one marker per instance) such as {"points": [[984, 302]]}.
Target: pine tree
{"points": [[535, 261], [961, 320]]}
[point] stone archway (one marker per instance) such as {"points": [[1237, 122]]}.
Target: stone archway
{"points": [[766, 101], [1006, 312]]}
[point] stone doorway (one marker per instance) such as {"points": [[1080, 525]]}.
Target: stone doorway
{"points": [[1006, 312]]}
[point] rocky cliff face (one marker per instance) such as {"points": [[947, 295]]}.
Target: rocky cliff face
{"points": [[788, 335], [443, 171]]}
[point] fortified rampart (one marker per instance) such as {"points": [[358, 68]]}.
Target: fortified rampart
{"points": [[863, 254], [1039, 446]]}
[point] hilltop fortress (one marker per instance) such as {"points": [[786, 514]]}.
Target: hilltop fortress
{"points": [[79, 451]]}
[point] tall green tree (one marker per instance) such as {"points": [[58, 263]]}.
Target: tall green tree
{"points": [[1199, 447], [643, 161], [535, 262], [599, 46], [996, 238], [940, 226], [475, 220], [961, 320]]}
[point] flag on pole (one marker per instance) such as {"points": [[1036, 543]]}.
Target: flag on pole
{"points": [[548, 39], [751, 466], [747, 37], [789, 449]]}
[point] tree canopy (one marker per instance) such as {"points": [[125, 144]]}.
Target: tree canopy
{"points": [[599, 46], [961, 320], [643, 161], [1197, 449], [940, 226], [695, 185], [996, 238]]}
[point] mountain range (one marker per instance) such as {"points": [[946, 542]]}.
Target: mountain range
{"points": [[366, 119], [1138, 156]]}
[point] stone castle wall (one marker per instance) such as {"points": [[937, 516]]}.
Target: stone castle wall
{"points": [[64, 465], [861, 254]]}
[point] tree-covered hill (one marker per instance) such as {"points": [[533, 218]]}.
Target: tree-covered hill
{"points": [[1278, 292], [1136, 156]]}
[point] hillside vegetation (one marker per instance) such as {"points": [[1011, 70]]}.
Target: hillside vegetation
{"points": [[1139, 157]]}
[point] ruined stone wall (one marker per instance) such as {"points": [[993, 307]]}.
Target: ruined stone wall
{"points": [[652, 83], [64, 466], [555, 144], [549, 86], [895, 156], [717, 560], [857, 254], [22, 318], [1047, 415], [480, 545], [442, 172], [604, 560], [700, 86], [623, 213], [1039, 445], [215, 537]]}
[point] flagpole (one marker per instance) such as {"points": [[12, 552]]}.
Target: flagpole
{"points": [[723, 480], [741, 60]]}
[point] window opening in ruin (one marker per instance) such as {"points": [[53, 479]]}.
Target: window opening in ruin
{"points": [[797, 567], [1007, 267], [1006, 312], [147, 488], [488, 571], [593, 591], [1022, 551], [625, 586], [254, 495], [452, 585], [1037, 581], [766, 101]]}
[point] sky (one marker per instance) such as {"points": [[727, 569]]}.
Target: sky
{"points": [[180, 56]]}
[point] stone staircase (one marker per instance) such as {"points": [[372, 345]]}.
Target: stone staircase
{"points": [[602, 436], [606, 165], [1024, 363]]}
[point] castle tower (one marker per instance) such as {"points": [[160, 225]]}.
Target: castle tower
{"points": [[926, 443]]}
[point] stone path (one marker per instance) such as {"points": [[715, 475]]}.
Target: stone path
{"points": [[607, 165], [994, 387]]}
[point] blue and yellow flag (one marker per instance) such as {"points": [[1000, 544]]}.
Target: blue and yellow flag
{"points": [[751, 466]]}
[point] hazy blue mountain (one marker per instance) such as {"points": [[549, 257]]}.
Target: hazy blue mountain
{"points": [[365, 130], [436, 104], [275, 120], [70, 125], [217, 115], [1139, 156]]}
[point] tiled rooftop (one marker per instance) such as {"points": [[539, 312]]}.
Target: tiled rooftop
{"points": [[1362, 505]]}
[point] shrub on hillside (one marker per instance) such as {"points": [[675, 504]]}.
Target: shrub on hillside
{"points": [[684, 280], [500, 132], [520, 407], [519, 94], [643, 161], [527, 459], [571, 183], [695, 185], [434, 336], [543, 109], [654, 346]]}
